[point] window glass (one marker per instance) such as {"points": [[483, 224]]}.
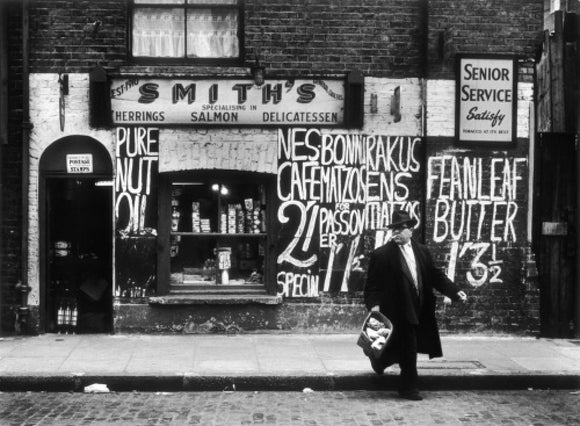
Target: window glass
{"points": [[158, 33], [196, 29], [218, 235], [212, 33]]}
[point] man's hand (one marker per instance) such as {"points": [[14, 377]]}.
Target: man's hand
{"points": [[462, 297], [376, 308]]}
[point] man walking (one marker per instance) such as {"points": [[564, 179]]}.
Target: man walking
{"points": [[400, 282]]}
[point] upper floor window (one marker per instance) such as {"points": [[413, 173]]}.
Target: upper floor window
{"points": [[186, 29]]}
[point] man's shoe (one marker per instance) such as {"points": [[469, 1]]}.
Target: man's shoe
{"points": [[377, 367], [412, 395]]}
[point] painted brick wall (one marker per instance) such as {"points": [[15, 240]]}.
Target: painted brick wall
{"points": [[488, 265], [255, 149], [45, 131], [441, 108], [251, 150], [480, 235], [382, 39]]}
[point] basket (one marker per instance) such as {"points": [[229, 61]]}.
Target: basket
{"points": [[365, 342]]}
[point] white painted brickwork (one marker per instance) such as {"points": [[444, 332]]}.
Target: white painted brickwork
{"points": [[251, 149], [231, 149], [441, 108], [382, 122], [44, 116], [255, 149]]}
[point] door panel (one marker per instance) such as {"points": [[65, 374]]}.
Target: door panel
{"points": [[555, 232]]}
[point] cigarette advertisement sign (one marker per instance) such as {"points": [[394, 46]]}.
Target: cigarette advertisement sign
{"points": [[228, 102], [486, 99]]}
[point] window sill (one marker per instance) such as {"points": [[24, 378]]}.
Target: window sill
{"points": [[215, 299], [190, 71]]}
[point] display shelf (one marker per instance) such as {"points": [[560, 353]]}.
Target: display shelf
{"points": [[217, 234]]}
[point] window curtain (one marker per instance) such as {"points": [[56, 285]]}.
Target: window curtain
{"points": [[159, 33], [212, 33]]}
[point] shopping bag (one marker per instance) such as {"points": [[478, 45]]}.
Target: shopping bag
{"points": [[366, 342]]}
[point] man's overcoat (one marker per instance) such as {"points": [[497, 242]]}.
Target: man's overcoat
{"points": [[390, 285]]}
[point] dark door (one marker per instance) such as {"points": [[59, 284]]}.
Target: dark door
{"points": [[555, 232], [79, 255]]}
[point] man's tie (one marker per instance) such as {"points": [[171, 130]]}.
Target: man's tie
{"points": [[410, 258]]}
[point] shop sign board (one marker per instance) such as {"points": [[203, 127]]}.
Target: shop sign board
{"points": [[486, 99], [228, 102], [79, 163]]}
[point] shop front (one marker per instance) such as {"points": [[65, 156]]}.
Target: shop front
{"points": [[242, 173], [223, 205], [208, 236]]}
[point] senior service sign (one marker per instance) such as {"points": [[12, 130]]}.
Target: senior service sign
{"points": [[486, 99], [227, 102]]}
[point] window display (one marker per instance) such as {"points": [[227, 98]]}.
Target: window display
{"points": [[218, 235]]}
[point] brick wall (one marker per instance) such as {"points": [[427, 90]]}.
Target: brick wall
{"points": [[11, 169], [291, 37], [482, 26], [475, 250], [480, 236], [303, 37], [384, 40], [376, 37], [62, 38], [251, 151]]}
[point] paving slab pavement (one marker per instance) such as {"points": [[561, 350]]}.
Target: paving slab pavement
{"points": [[275, 361]]}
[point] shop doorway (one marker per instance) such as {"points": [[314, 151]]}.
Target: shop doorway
{"points": [[79, 297], [76, 237]]}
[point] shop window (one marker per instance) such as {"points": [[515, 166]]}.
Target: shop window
{"points": [[217, 235], [192, 30]]}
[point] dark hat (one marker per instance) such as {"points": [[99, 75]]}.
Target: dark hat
{"points": [[401, 217]]}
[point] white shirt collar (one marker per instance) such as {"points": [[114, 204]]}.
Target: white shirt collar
{"points": [[406, 246]]}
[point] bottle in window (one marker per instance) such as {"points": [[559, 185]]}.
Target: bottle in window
{"points": [[67, 318], [74, 318], [224, 264], [60, 318], [263, 219], [195, 218], [240, 221], [175, 214], [256, 220]]}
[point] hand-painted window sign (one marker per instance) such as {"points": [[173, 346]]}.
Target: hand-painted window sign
{"points": [[79, 163], [486, 99], [232, 102]]}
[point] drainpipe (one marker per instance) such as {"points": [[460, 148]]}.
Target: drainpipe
{"points": [[577, 130], [3, 119], [576, 305], [22, 288], [424, 75]]}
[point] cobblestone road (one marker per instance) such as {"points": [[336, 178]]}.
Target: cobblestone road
{"points": [[533, 407]]}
